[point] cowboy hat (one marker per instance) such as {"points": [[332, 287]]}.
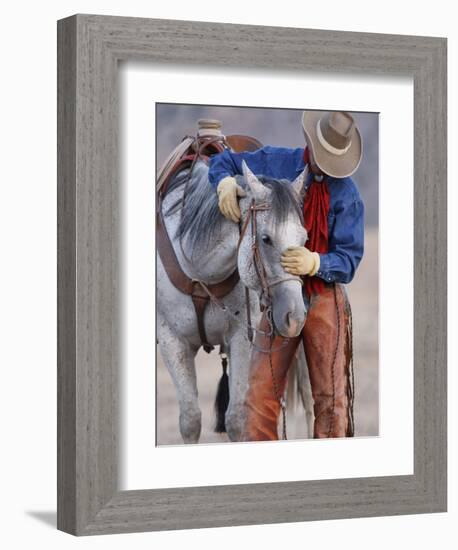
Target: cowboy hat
{"points": [[335, 141]]}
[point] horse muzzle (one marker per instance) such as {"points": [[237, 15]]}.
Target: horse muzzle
{"points": [[288, 310]]}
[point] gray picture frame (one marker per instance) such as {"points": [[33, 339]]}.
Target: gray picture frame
{"points": [[89, 49]]}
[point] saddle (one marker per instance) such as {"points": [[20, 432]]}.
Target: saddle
{"points": [[185, 155], [192, 148]]}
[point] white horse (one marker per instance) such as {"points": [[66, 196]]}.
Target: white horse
{"points": [[205, 244]]}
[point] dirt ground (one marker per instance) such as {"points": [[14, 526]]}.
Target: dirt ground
{"points": [[363, 294]]}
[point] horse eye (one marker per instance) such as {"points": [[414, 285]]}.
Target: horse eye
{"points": [[266, 239]]}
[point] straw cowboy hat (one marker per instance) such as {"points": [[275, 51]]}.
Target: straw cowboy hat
{"points": [[335, 141]]}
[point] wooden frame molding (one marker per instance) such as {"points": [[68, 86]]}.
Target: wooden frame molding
{"points": [[89, 49]]}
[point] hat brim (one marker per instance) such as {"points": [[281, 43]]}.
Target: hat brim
{"points": [[337, 166]]}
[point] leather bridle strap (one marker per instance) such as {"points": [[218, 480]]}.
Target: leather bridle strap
{"points": [[259, 264], [250, 332]]}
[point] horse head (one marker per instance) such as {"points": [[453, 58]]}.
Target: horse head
{"points": [[272, 221]]}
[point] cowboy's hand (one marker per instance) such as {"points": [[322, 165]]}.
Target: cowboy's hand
{"points": [[298, 260], [228, 190]]}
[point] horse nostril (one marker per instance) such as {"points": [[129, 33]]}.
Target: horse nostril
{"points": [[291, 324]]}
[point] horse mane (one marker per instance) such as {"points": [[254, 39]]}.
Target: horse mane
{"points": [[284, 199], [201, 217]]}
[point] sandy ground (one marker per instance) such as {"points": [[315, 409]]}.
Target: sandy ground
{"points": [[363, 294]]}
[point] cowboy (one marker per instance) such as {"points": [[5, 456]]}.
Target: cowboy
{"points": [[334, 220]]}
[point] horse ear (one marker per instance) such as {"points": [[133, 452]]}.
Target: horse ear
{"points": [[299, 183], [254, 185]]}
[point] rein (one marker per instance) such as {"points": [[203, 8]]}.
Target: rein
{"points": [[265, 294], [266, 285]]}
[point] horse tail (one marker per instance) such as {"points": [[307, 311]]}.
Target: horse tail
{"points": [[222, 398]]}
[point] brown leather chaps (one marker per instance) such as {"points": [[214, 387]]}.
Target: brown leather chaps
{"points": [[327, 350]]}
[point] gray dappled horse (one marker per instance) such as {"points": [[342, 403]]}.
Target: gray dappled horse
{"points": [[205, 244]]}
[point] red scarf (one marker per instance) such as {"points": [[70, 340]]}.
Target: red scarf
{"points": [[316, 208]]}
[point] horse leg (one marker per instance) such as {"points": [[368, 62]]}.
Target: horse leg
{"points": [[179, 357], [239, 350]]}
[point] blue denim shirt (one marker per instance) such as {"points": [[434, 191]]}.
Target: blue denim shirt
{"points": [[346, 211]]}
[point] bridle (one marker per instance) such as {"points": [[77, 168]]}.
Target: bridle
{"points": [[266, 285]]}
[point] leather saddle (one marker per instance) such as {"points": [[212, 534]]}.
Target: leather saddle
{"points": [[185, 155]]}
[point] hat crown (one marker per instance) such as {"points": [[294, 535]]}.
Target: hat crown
{"points": [[342, 122], [338, 128]]}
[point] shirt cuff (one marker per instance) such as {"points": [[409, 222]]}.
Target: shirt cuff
{"points": [[324, 272]]}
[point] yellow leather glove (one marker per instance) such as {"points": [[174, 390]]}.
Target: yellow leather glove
{"points": [[228, 190], [298, 260]]}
